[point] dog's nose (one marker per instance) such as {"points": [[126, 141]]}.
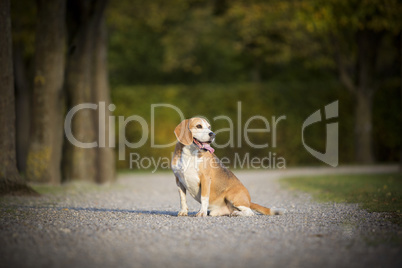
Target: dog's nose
{"points": [[212, 135]]}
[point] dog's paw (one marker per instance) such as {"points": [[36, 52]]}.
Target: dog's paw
{"points": [[235, 213], [182, 213], [243, 213], [202, 213]]}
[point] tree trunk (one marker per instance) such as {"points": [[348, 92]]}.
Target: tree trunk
{"points": [[80, 163], [367, 42], [22, 102], [44, 156], [255, 73], [363, 89], [105, 158], [10, 180], [400, 121], [363, 129]]}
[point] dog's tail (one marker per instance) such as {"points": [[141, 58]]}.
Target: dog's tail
{"points": [[267, 211]]}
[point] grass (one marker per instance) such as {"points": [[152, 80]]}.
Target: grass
{"points": [[374, 192]]}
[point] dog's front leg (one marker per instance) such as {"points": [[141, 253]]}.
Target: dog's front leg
{"points": [[205, 191], [183, 201]]}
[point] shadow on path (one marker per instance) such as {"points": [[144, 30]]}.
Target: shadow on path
{"points": [[93, 209]]}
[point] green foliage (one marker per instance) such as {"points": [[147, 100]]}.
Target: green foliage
{"points": [[375, 192], [333, 25], [212, 100], [352, 15], [205, 56], [23, 16], [153, 42], [295, 100], [193, 41]]}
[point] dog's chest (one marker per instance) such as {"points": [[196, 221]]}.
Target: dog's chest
{"points": [[186, 169]]}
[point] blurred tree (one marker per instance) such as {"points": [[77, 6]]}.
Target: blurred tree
{"points": [[353, 31], [194, 41], [44, 156], [261, 33], [10, 180], [201, 47], [22, 105], [239, 41], [136, 31], [400, 125], [23, 16], [85, 75], [104, 155]]}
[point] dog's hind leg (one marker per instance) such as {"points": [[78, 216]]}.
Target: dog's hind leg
{"points": [[220, 211], [242, 211], [239, 204]]}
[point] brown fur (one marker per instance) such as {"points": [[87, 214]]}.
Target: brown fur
{"points": [[183, 134], [225, 191], [261, 209]]}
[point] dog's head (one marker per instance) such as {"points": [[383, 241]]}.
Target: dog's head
{"points": [[196, 130]]}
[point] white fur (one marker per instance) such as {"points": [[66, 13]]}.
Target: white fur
{"points": [[278, 211], [183, 202], [243, 211], [186, 169], [219, 211], [202, 134], [204, 204], [204, 207]]}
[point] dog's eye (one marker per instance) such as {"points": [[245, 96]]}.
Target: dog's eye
{"points": [[198, 126]]}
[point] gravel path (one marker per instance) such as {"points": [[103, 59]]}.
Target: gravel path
{"points": [[133, 223]]}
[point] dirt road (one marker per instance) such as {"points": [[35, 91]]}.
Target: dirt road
{"points": [[133, 223]]}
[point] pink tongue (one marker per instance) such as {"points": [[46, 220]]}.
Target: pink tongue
{"points": [[208, 147], [204, 145]]}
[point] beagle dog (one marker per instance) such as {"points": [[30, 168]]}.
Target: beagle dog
{"points": [[200, 172]]}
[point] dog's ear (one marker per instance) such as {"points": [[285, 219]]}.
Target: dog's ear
{"points": [[183, 133]]}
